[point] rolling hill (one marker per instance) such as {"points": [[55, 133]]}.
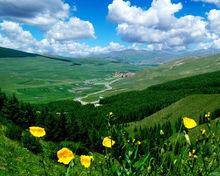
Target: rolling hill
{"points": [[192, 106], [143, 57], [69, 123], [155, 75], [44, 79], [7, 52], [38, 78], [17, 160]]}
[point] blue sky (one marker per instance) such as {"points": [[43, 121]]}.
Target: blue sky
{"points": [[82, 27]]}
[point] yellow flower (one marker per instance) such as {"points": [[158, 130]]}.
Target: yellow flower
{"points": [[189, 123], [208, 115], [193, 154], [86, 160], [37, 131], [108, 142], [110, 115], [202, 130], [138, 142], [65, 155]]}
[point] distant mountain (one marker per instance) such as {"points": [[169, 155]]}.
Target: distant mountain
{"points": [[130, 56], [142, 57], [7, 52]]}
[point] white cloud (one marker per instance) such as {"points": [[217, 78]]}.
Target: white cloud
{"points": [[35, 12], [12, 35], [159, 28], [216, 2], [159, 14], [71, 30], [71, 48], [214, 21]]}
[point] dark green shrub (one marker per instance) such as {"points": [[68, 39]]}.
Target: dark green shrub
{"points": [[13, 132], [216, 113], [31, 143]]}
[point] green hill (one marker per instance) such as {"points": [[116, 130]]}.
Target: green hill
{"points": [[166, 72], [16, 160], [71, 122], [7, 52], [192, 106], [135, 105], [35, 78]]}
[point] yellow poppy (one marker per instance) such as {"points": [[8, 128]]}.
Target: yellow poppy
{"points": [[108, 142], [65, 155], [189, 123], [37, 131], [111, 113], [192, 154], [86, 160]]}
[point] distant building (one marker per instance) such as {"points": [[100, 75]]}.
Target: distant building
{"points": [[123, 74]]}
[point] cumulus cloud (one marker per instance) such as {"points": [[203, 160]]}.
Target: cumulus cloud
{"points": [[12, 35], [157, 26], [214, 21], [71, 30], [35, 12], [60, 30], [159, 14]]}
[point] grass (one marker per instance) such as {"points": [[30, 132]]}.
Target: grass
{"points": [[156, 75], [192, 106], [16, 160], [41, 79]]}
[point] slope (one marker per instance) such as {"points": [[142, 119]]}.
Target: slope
{"points": [[192, 106], [16, 160], [45, 79], [156, 75], [7, 52]]}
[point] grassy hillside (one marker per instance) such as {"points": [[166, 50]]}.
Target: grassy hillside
{"points": [[16, 160], [6, 52], [43, 79], [156, 151], [174, 70], [135, 105], [37, 78], [192, 106]]}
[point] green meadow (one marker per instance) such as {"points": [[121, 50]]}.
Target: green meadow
{"points": [[43, 79], [166, 72], [162, 121]]}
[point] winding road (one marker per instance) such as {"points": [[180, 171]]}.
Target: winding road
{"points": [[107, 87]]}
